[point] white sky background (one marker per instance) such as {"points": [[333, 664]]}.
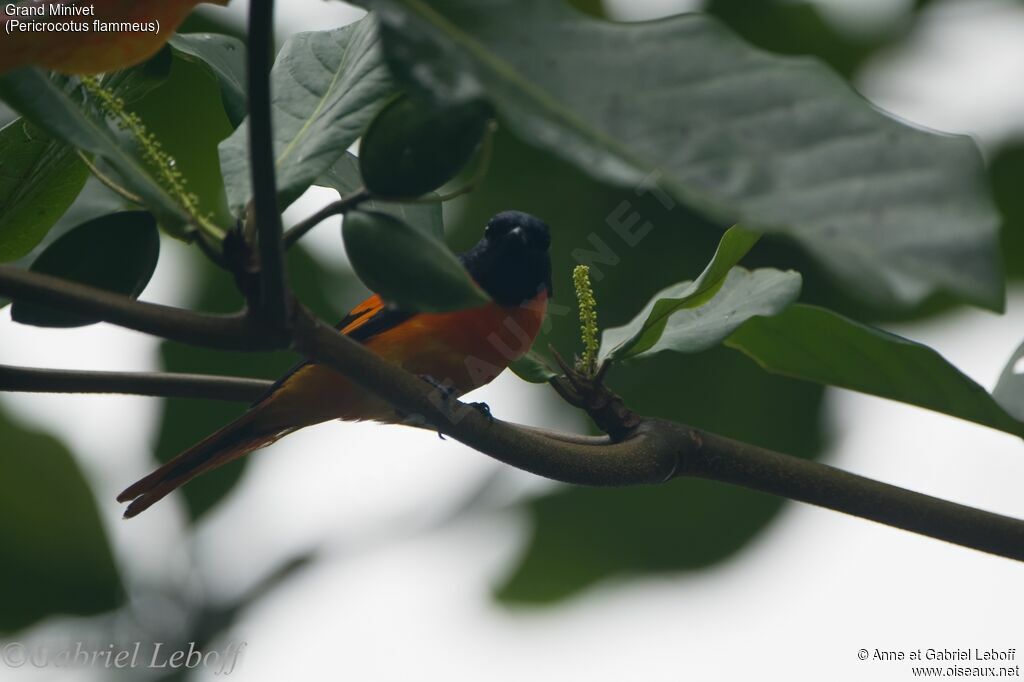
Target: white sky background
{"points": [[394, 600]]}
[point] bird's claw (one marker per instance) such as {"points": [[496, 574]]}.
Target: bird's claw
{"points": [[449, 397], [484, 409]]}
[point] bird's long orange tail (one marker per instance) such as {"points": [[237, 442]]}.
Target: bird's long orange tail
{"points": [[238, 438]]}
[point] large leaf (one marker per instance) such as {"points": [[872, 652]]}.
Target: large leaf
{"points": [[95, 44], [224, 56], [778, 144], [134, 83], [39, 178], [743, 294], [406, 266], [647, 327], [425, 216], [414, 146], [56, 105], [191, 134], [55, 557], [117, 252], [815, 344], [326, 87]]}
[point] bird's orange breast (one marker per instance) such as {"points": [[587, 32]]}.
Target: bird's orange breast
{"points": [[464, 349]]}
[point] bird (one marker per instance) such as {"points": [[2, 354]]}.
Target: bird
{"points": [[458, 351]]}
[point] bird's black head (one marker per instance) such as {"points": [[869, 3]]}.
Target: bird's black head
{"points": [[511, 260]]}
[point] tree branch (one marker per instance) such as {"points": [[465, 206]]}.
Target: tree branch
{"points": [[235, 332], [659, 450], [652, 452], [154, 384], [298, 230], [707, 455], [274, 298]]}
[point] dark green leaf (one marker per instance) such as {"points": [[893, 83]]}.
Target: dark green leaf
{"points": [[136, 82], [41, 176], [116, 252], [191, 134], [818, 345], [1010, 389], [414, 146], [224, 56], [800, 27], [425, 216], [777, 144], [55, 557], [327, 86], [1007, 172], [39, 179], [647, 327], [533, 368], [405, 266], [55, 105]]}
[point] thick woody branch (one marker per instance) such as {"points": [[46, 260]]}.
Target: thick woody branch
{"points": [[707, 455], [153, 384], [658, 450], [653, 452], [234, 332]]}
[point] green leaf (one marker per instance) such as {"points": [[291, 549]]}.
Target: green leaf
{"points": [[645, 329], [1009, 392], [40, 176], [191, 134], [426, 216], [56, 105], [405, 266], [777, 144], [327, 85], [224, 57], [134, 83], [533, 368], [815, 344], [55, 557], [117, 252], [742, 295], [414, 146], [39, 179]]}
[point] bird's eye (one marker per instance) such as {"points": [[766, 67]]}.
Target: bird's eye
{"points": [[497, 228]]}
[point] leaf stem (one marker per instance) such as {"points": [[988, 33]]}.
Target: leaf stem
{"points": [[297, 231], [108, 181]]}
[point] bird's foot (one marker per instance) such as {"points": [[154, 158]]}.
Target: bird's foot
{"points": [[484, 409], [448, 398]]}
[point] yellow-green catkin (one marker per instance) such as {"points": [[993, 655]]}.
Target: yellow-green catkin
{"points": [[171, 177], [588, 318]]}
